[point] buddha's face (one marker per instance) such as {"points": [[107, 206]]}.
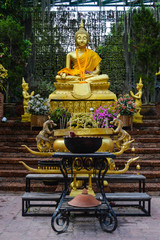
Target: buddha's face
{"points": [[82, 40]]}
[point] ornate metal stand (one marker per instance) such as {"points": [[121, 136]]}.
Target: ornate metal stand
{"points": [[98, 164]]}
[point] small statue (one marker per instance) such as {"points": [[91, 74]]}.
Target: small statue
{"points": [[137, 117], [86, 62], [45, 137], [26, 97]]}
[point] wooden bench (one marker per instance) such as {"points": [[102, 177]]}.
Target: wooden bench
{"points": [[128, 178], [134, 200], [110, 178], [29, 201], [48, 177], [140, 196]]}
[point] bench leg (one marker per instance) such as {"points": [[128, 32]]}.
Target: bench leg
{"points": [[24, 207]]}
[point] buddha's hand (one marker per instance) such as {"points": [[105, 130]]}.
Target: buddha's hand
{"points": [[89, 75], [63, 75]]}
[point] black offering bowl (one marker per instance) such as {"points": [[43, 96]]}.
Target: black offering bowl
{"points": [[83, 144]]}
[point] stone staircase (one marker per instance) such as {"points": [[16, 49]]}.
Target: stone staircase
{"points": [[14, 134]]}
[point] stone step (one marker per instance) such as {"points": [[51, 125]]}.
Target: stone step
{"points": [[147, 123], [147, 145], [18, 139], [41, 187], [126, 156], [11, 149], [147, 140], [144, 150], [138, 133], [151, 116], [22, 173]]}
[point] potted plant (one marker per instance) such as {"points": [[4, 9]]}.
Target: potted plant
{"points": [[3, 76], [126, 107], [39, 109], [104, 115], [60, 116], [82, 120]]}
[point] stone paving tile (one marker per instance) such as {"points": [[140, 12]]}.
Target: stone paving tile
{"points": [[15, 227]]}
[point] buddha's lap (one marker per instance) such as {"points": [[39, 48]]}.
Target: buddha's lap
{"points": [[102, 77]]}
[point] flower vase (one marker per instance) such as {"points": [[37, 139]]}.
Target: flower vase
{"points": [[127, 120], [38, 120]]}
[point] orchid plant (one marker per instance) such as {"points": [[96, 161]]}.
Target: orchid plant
{"points": [[104, 115], [125, 105], [38, 105], [60, 116]]}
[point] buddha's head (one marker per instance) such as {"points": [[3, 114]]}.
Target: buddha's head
{"points": [[81, 36]]}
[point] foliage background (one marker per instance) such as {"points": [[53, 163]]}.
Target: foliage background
{"points": [[145, 48], [14, 48]]}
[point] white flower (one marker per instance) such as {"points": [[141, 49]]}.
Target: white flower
{"points": [[38, 105]]}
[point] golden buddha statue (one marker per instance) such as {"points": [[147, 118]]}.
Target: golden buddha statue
{"points": [[137, 117], [86, 62], [86, 70]]}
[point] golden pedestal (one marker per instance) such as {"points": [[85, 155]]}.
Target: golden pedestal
{"points": [[80, 97], [26, 117], [137, 118]]}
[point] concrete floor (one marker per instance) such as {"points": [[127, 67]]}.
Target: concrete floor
{"points": [[15, 227]]}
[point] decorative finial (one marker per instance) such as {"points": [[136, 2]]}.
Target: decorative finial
{"points": [[133, 150], [81, 25], [138, 167], [140, 81], [23, 81]]}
